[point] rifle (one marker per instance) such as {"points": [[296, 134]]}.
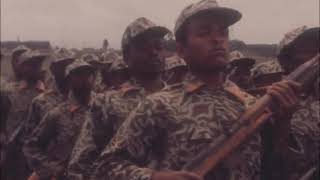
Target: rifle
{"points": [[251, 121]]}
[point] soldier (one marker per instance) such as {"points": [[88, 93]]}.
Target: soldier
{"points": [[20, 95], [115, 59], [175, 70], [118, 73], [240, 69], [51, 98], [94, 60], [48, 149], [169, 128], [142, 49], [297, 47], [14, 59]]}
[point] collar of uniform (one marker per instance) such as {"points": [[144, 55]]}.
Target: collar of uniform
{"points": [[129, 86], [233, 89], [39, 86], [194, 84]]}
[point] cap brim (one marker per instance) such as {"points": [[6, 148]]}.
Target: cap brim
{"points": [[83, 68], [311, 35], [243, 62], [228, 15], [61, 63], [156, 31], [34, 59]]}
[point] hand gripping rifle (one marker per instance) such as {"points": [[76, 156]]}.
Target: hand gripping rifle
{"points": [[251, 121]]}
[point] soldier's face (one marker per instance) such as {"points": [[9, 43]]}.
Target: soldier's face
{"points": [[146, 54], [206, 45], [31, 71], [300, 53], [82, 80]]}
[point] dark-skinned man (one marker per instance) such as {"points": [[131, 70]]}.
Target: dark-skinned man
{"points": [[175, 70], [52, 97], [119, 73], [240, 70], [20, 93], [50, 145], [297, 47], [142, 51], [168, 129]]}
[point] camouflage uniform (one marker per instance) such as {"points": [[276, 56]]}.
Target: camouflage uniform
{"points": [[304, 143], [305, 123], [20, 95], [171, 127], [110, 111], [48, 149], [46, 101]]}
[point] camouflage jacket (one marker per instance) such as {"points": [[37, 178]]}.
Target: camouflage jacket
{"points": [[171, 127], [39, 107], [305, 139], [108, 113], [20, 96], [50, 145]]}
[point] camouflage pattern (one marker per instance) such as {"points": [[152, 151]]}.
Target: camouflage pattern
{"points": [[31, 56], [76, 65], [138, 27], [90, 58], [229, 15], [169, 128], [110, 110], [268, 67], [173, 62], [290, 37], [48, 149], [305, 127], [49, 99], [118, 64], [62, 54], [39, 107], [109, 56], [20, 96]]}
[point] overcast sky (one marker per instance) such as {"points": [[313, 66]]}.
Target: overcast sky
{"points": [[84, 23]]}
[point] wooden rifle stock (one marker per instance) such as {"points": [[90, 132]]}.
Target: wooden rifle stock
{"points": [[251, 121]]}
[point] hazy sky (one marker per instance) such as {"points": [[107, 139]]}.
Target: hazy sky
{"points": [[84, 23]]}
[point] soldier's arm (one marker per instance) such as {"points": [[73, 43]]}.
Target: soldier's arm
{"points": [[87, 149], [126, 154], [35, 147]]}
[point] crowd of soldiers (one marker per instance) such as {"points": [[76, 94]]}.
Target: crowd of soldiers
{"points": [[144, 113]]}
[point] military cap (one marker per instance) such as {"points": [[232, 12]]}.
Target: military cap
{"points": [[118, 65], [63, 54], [268, 67], [76, 65], [295, 36], [90, 58], [31, 57], [237, 59], [62, 57], [19, 50], [230, 16], [173, 62], [140, 26]]}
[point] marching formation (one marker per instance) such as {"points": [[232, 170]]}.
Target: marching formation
{"points": [[148, 111]]}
